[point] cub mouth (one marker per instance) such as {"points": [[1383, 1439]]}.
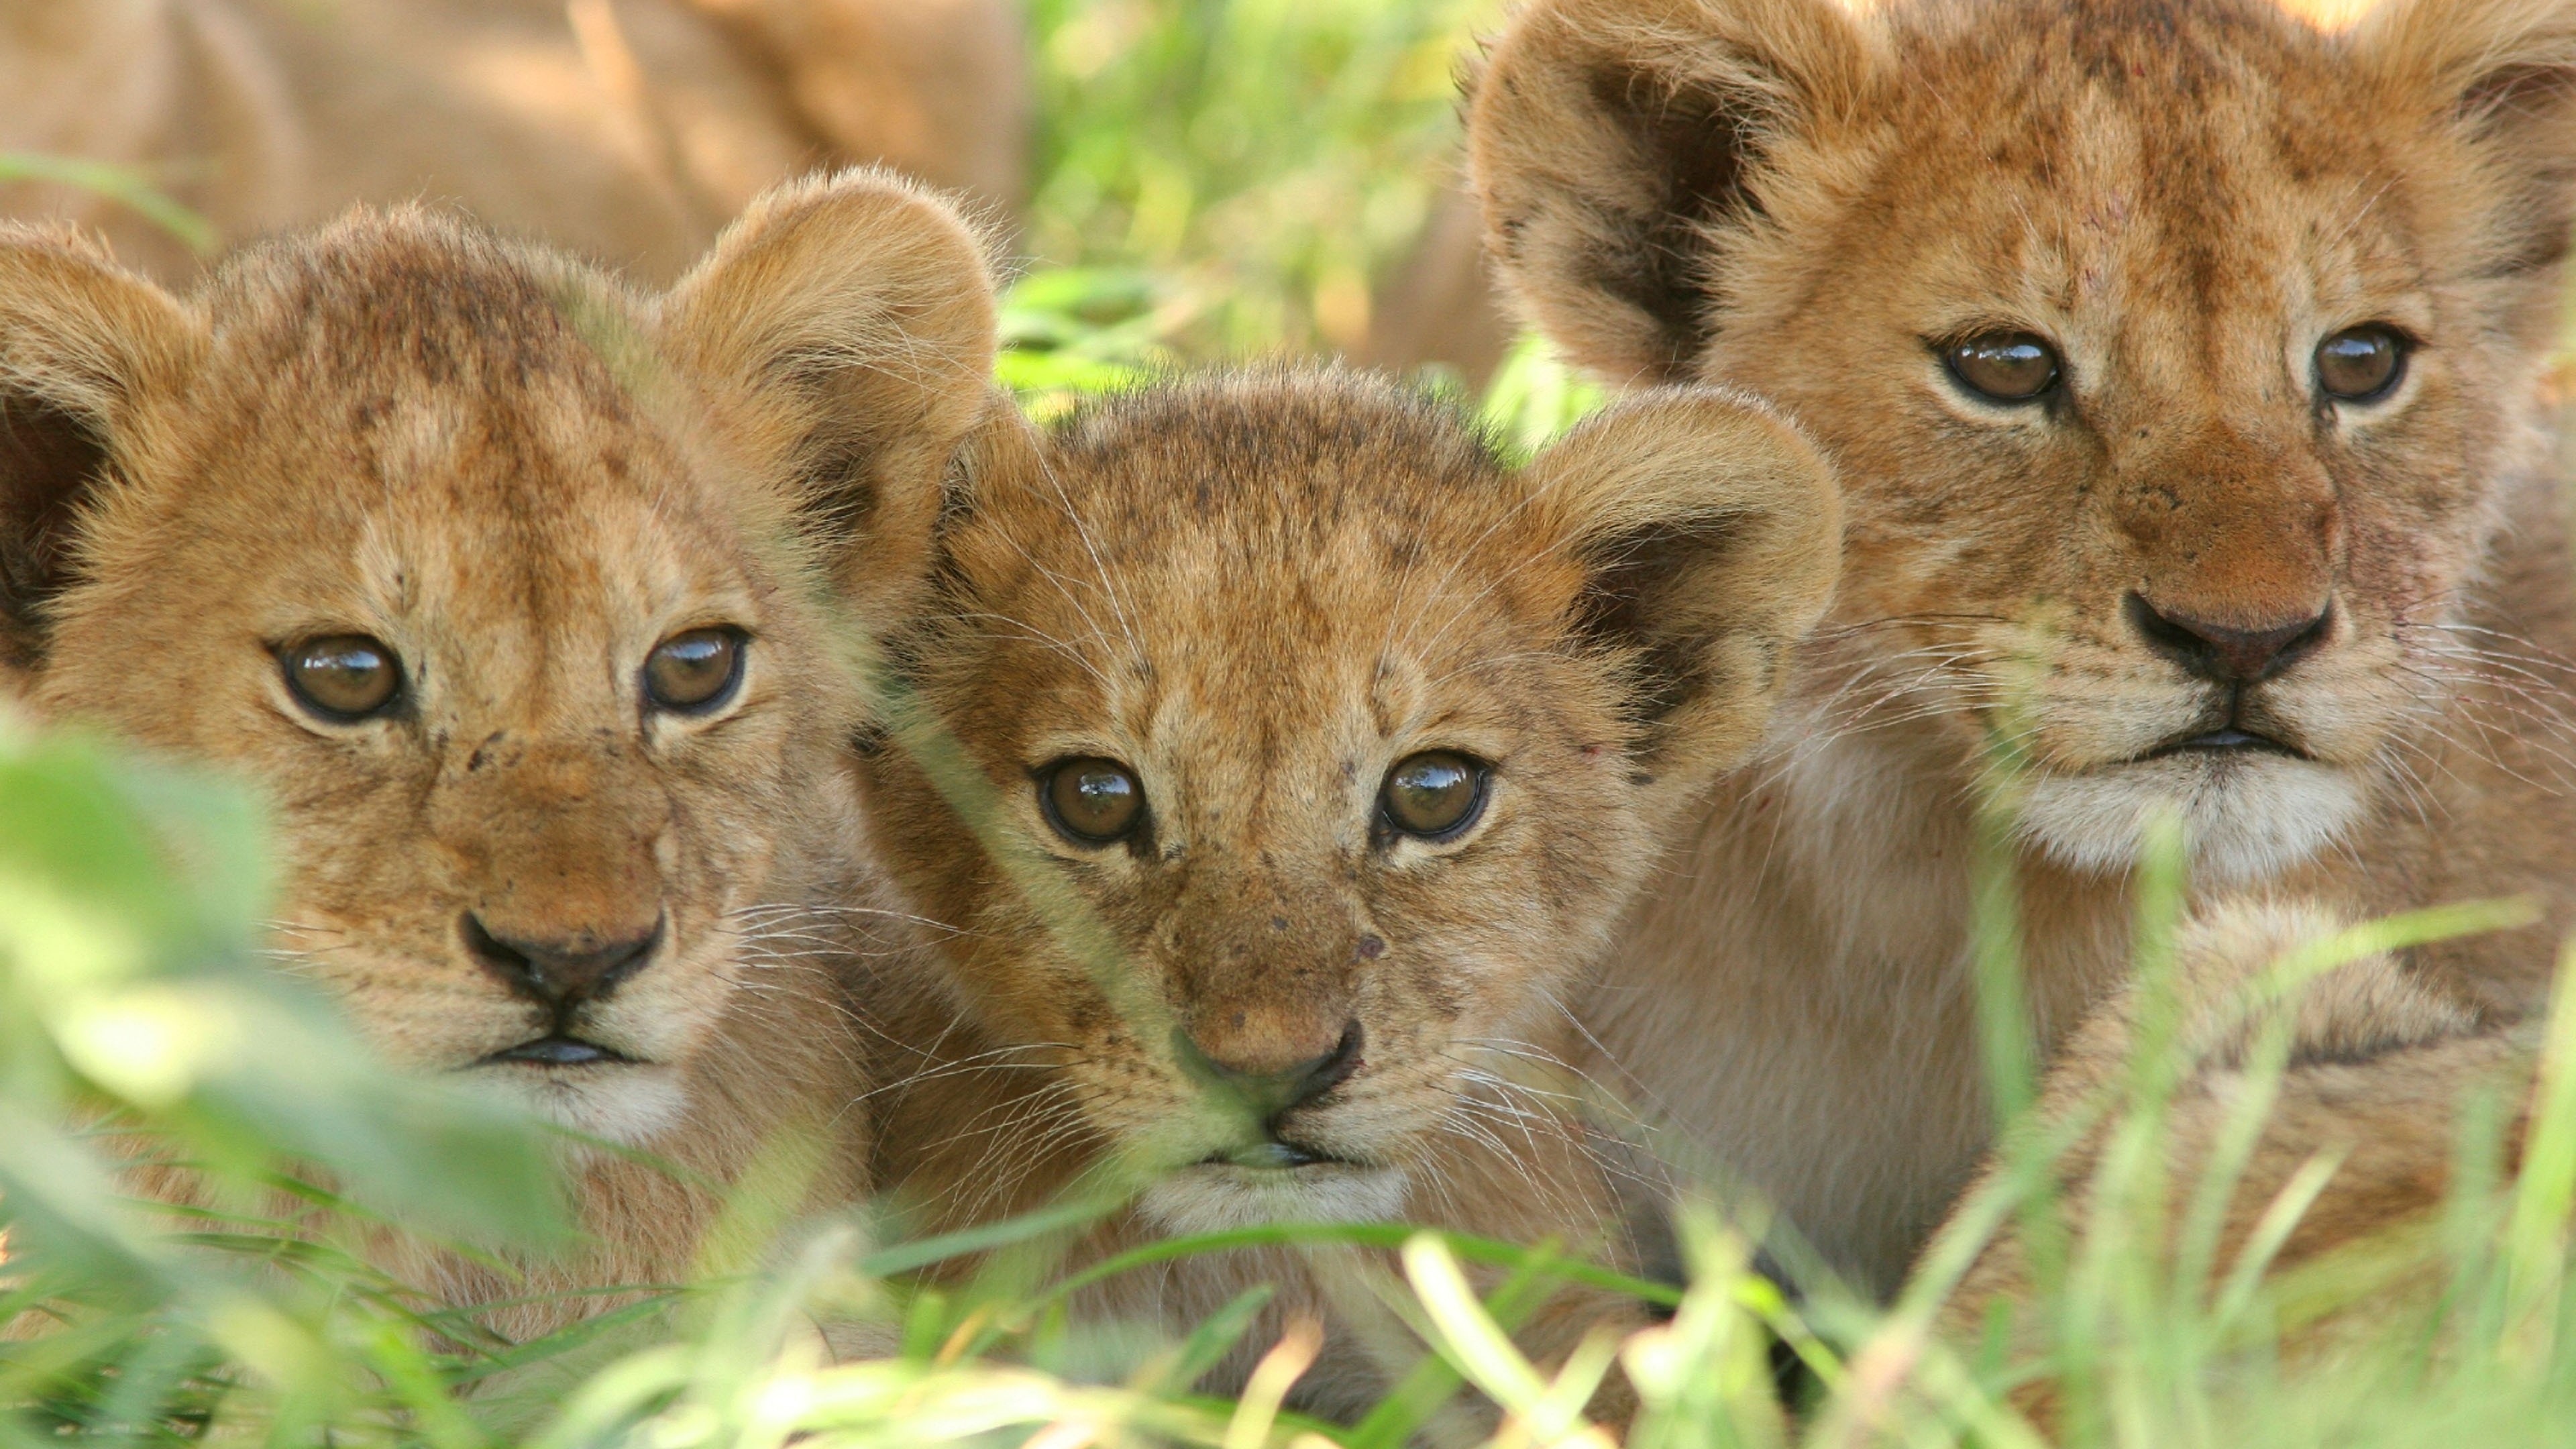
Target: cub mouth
{"points": [[557, 1049], [1276, 1156], [2226, 740]]}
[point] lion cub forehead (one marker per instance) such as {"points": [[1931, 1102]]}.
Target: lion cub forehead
{"points": [[2197, 117], [416, 397], [1272, 484], [410, 430], [1246, 521], [1228, 566]]}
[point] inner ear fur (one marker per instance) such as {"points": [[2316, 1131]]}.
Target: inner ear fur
{"points": [[1618, 148], [1003, 457], [82, 341], [849, 320], [1710, 533], [2504, 71]]}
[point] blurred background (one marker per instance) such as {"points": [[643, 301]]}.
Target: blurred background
{"points": [[1262, 174], [1175, 179]]}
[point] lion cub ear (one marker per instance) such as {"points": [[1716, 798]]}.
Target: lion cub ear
{"points": [[1619, 149], [849, 321], [2504, 72], [83, 345], [1710, 532]]}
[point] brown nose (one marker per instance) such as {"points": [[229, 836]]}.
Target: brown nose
{"points": [[2224, 654], [1276, 1090], [560, 973]]}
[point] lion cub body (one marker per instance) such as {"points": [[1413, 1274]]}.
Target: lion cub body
{"points": [[515, 480], [2180, 200], [625, 130], [1264, 1002]]}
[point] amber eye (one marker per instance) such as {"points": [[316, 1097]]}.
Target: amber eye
{"points": [[342, 677], [1091, 801], [2361, 364], [696, 671], [1435, 795], [2004, 367]]}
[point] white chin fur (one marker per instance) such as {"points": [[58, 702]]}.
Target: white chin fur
{"points": [[627, 1105], [1218, 1199], [2247, 817]]}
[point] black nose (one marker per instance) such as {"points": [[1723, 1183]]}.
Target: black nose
{"points": [[560, 973], [1293, 1086], [2227, 655]]}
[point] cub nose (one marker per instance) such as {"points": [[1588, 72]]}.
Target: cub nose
{"points": [[1277, 1089], [563, 972], [2223, 654]]}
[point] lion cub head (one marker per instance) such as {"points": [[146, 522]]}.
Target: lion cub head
{"points": [[1282, 757], [510, 589], [2177, 355]]}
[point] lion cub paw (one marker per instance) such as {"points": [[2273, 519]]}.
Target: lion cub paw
{"points": [[2228, 961]]}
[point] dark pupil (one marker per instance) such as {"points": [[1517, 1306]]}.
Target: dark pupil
{"points": [[1095, 800], [2357, 364], [1432, 793], [349, 676], [691, 668], [2010, 368]]}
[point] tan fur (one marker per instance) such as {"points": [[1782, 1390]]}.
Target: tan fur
{"points": [[2381, 1065], [521, 477], [1262, 593], [625, 130], [2185, 196]]}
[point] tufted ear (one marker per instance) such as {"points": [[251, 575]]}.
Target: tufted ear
{"points": [[1710, 532], [2504, 71], [849, 320], [1619, 149], [82, 342]]}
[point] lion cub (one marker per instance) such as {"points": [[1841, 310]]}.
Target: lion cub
{"points": [[2184, 363], [1281, 760], [507, 587]]}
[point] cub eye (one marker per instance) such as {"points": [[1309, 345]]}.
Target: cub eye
{"points": [[2004, 367], [2361, 364], [1435, 795], [1092, 801], [695, 671], [342, 677]]}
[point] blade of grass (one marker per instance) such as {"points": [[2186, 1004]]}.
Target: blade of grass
{"points": [[2536, 1227], [1488, 1251], [120, 184]]}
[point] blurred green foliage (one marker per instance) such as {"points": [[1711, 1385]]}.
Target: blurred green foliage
{"points": [[1262, 160], [142, 1031], [1220, 180]]}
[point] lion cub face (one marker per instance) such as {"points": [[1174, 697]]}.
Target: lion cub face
{"points": [[2174, 353], [490, 577], [1302, 755]]}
